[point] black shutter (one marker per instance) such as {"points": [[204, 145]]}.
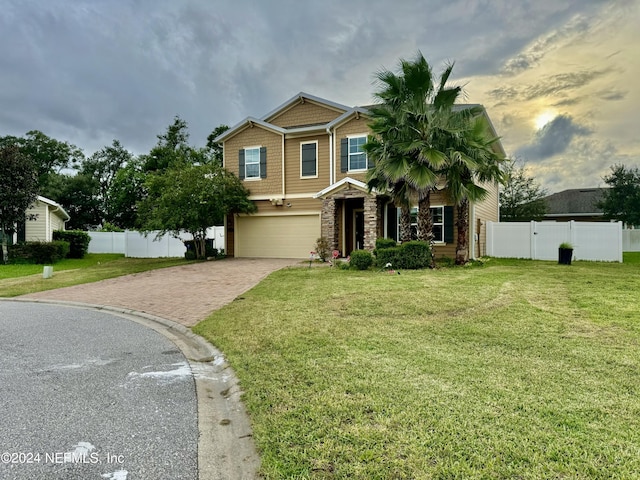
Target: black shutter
{"points": [[392, 222], [344, 155], [448, 224], [309, 160], [263, 162], [241, 164]]}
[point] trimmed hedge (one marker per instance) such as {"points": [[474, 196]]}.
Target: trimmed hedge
{"points": [[409, 256], [38, 252], [385, 243], [361, 259], [415, 255], [78, 241]]}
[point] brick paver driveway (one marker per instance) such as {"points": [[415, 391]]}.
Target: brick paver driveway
{"points": [[184, 294]]}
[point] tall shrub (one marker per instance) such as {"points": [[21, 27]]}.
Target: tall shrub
{"points": [[78, 241]]}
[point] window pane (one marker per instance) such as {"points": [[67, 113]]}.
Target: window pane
{"points": [[358, 162], [437, 233], [252, 155], [252, 170], [437, 214]]}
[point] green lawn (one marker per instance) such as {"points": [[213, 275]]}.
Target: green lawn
{"points": [[22, 279], [517, 369]]}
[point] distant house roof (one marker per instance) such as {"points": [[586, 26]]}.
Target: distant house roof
{"points": [[59, 208], [576, 202]]}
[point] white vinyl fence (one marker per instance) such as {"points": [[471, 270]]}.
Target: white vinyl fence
{"points": [[630, 240], [135, 244], [597, 241]]}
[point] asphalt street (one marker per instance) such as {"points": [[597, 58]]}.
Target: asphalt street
{"points": [[87, 394]]}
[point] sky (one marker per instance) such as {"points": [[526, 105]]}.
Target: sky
{"points": [[558, 77]]}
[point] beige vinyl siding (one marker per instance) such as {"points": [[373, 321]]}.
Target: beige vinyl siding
{"points": [[278, 236], [307, 113], [293, 183], [355, 126], [486, 211], [257, 136], [297, 205], [36, 230]]}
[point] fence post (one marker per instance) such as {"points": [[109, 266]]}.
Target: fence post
{"points": [[572, 235], [533, 251]]}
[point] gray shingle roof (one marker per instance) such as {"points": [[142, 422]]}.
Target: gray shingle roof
{"points": [[577, 200]]}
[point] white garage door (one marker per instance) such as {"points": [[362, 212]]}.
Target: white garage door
{"points": [[289, 236]]}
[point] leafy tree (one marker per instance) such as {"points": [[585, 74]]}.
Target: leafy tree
{"points": [[125, 191], [49, 155], [216, 148], [103, 166], [18, 190], [471, 162], [80, 197], [172, 148], [192, 199], [622, 201], [521, 198]]}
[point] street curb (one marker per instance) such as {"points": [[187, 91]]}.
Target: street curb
{"points": [[225, 445]]}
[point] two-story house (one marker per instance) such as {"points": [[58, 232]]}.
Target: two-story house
{"points": [[305, 168]]}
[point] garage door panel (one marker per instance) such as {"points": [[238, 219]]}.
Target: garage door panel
{"points": [[291, 236]]}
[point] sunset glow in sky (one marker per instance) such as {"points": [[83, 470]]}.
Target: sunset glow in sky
{"points": [[558, 78]]}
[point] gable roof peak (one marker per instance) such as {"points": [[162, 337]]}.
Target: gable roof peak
{"points": [[301, 97]]}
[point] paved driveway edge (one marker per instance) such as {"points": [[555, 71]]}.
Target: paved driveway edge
{"points": [[225, 446]]}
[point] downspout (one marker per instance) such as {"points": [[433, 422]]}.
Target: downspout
{"points": [[331, 156], [283, 176]]}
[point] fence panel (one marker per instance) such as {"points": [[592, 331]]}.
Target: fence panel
{"points": [[106, 242], [547, 237], [631, 240], [509, 240], [135, 244], [598, 241]]}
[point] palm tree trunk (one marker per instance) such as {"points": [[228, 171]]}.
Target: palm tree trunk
{"points": [[405, 223], [425, 223], [462, 222]]}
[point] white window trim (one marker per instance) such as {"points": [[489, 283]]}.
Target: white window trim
{"points": [[436, 242], [441, 242], [252, 179], [366, 159], [304, 177]]}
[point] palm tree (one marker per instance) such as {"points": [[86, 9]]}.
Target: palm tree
{"points": [[410, 130], [472, 161]]}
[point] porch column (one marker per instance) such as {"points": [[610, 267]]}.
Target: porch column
{"points": [[370, 222], [329, 220]]}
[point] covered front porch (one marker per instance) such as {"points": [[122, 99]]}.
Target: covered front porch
{"points": [[352, 218]]}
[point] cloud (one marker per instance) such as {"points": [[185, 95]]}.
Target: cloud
{"points": [[552, 139], [554, 85]]}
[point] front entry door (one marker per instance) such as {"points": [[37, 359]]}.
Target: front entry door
{"points": [[358, 229]]}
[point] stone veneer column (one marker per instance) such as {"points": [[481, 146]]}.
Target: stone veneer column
{"points": [[370, 222], [328, 220]]}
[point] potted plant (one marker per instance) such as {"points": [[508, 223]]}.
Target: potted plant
{"points": [[565, 253]]}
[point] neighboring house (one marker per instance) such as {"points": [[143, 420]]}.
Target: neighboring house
{"points": [[579, 204], [49, 217], [305, 169]]}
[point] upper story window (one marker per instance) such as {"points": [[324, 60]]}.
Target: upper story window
{"points": [[252, 163], [309, 160], [352, 154], [357, 157]]}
